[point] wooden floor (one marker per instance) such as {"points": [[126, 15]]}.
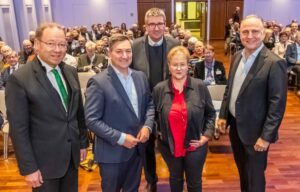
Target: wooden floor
{"points": [[220, 173]]}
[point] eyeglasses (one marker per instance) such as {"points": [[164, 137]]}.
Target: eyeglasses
{"points": [[179, 66], [154, 25], [53, 45]]}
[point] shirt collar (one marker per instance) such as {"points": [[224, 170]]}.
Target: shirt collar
{"points": [[152, 43], [254, 54], [47, 67], [119, 74]]}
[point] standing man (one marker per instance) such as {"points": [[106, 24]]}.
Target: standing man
{"points": [[45, 112], [120, 111], [150, 56], [236, 15], [253, 104]]}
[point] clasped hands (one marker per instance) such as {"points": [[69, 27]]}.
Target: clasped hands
{"points": [[142, 137], [260, 145]]}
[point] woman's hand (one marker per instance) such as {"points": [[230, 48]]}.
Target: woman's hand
{"points": [[198, 143]]}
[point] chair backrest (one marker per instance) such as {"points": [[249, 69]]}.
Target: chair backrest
{"points": [[84, 78], [216, 92], [2, 102]]}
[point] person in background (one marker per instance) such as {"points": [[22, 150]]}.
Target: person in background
{"points": [[212, 72], [150, 57], [27, 54], [186, 121], [281, 46]]}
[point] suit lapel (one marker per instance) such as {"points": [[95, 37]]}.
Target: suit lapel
{"points": [[42, 78], [166, 47], [256, 66], [119, 88], [139, 91], [145, 51], [70, 82]]}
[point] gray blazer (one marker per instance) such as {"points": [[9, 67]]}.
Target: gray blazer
{"points": [[291, 54], [44, 135], [140, 59], [109, 113], [260, 104]]}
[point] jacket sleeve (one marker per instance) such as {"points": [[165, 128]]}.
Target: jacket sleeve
{"points": [[209, 115]]}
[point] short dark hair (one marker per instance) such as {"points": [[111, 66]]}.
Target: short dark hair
{"points": [[117, 38]]}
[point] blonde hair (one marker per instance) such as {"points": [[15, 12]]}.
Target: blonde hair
{"points": [[178, 49], [155, 12]]}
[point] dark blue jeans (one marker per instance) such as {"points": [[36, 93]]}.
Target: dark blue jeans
{"points": [[191, 165]]}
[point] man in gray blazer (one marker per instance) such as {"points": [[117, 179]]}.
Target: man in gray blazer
{"points": [[254, 104], [45, 112], [91, 60], [150, 56], [119, 110]]}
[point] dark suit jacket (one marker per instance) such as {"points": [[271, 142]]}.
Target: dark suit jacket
{"points": [[140, 60], [291, 54], [44, 135], [77, 52], [220, 79], [4, 76], [109, 113], [84, 60], [260, 104]]}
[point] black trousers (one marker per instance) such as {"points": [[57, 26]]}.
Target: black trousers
{"points": [[296, 69], [125, 176], [67, 183], [251, 164], [191, 166], [149, 162]]}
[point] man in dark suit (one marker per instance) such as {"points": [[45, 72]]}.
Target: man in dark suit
{"points": [[212, 72], [120, 111], [12, 60], [150, 56], [94, 34], [91, 60], [254, 104], [45, 112], [81, 47]]}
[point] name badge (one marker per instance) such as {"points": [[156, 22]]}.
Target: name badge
{"points": [[218, 72]]}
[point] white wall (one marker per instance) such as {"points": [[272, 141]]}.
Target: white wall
{"points": [[282, 11], [88, 12]]}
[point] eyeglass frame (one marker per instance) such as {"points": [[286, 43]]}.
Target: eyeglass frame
{"points": [[53, 45], [159, 25]]}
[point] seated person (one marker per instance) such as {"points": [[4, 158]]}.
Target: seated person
{"points": [[27, 54], [281, 46], [12, 60], [81, 47], [293, 58], [196, 56], [209, 70], [91, 61]]}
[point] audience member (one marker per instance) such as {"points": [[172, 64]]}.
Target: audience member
{"points": [[91, 61], [27, 54], [209, 70]]}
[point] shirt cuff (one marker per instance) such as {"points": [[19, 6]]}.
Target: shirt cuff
{"points": [[122, 138], [150, 130]]}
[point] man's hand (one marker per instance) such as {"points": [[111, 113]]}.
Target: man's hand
{"points": [[130, 141], [34, 179], [143, 135], [222, 125], [261, 145], [83, 153]]}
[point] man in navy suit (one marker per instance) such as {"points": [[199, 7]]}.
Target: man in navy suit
{"points": [[120, 111], [253, 104], [12, 59]]}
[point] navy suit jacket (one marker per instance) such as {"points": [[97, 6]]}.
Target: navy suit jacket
{"points": [[109, 113]]}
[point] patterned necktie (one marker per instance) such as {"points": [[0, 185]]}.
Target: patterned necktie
{"points": [[13, 68], [61, 87]]}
